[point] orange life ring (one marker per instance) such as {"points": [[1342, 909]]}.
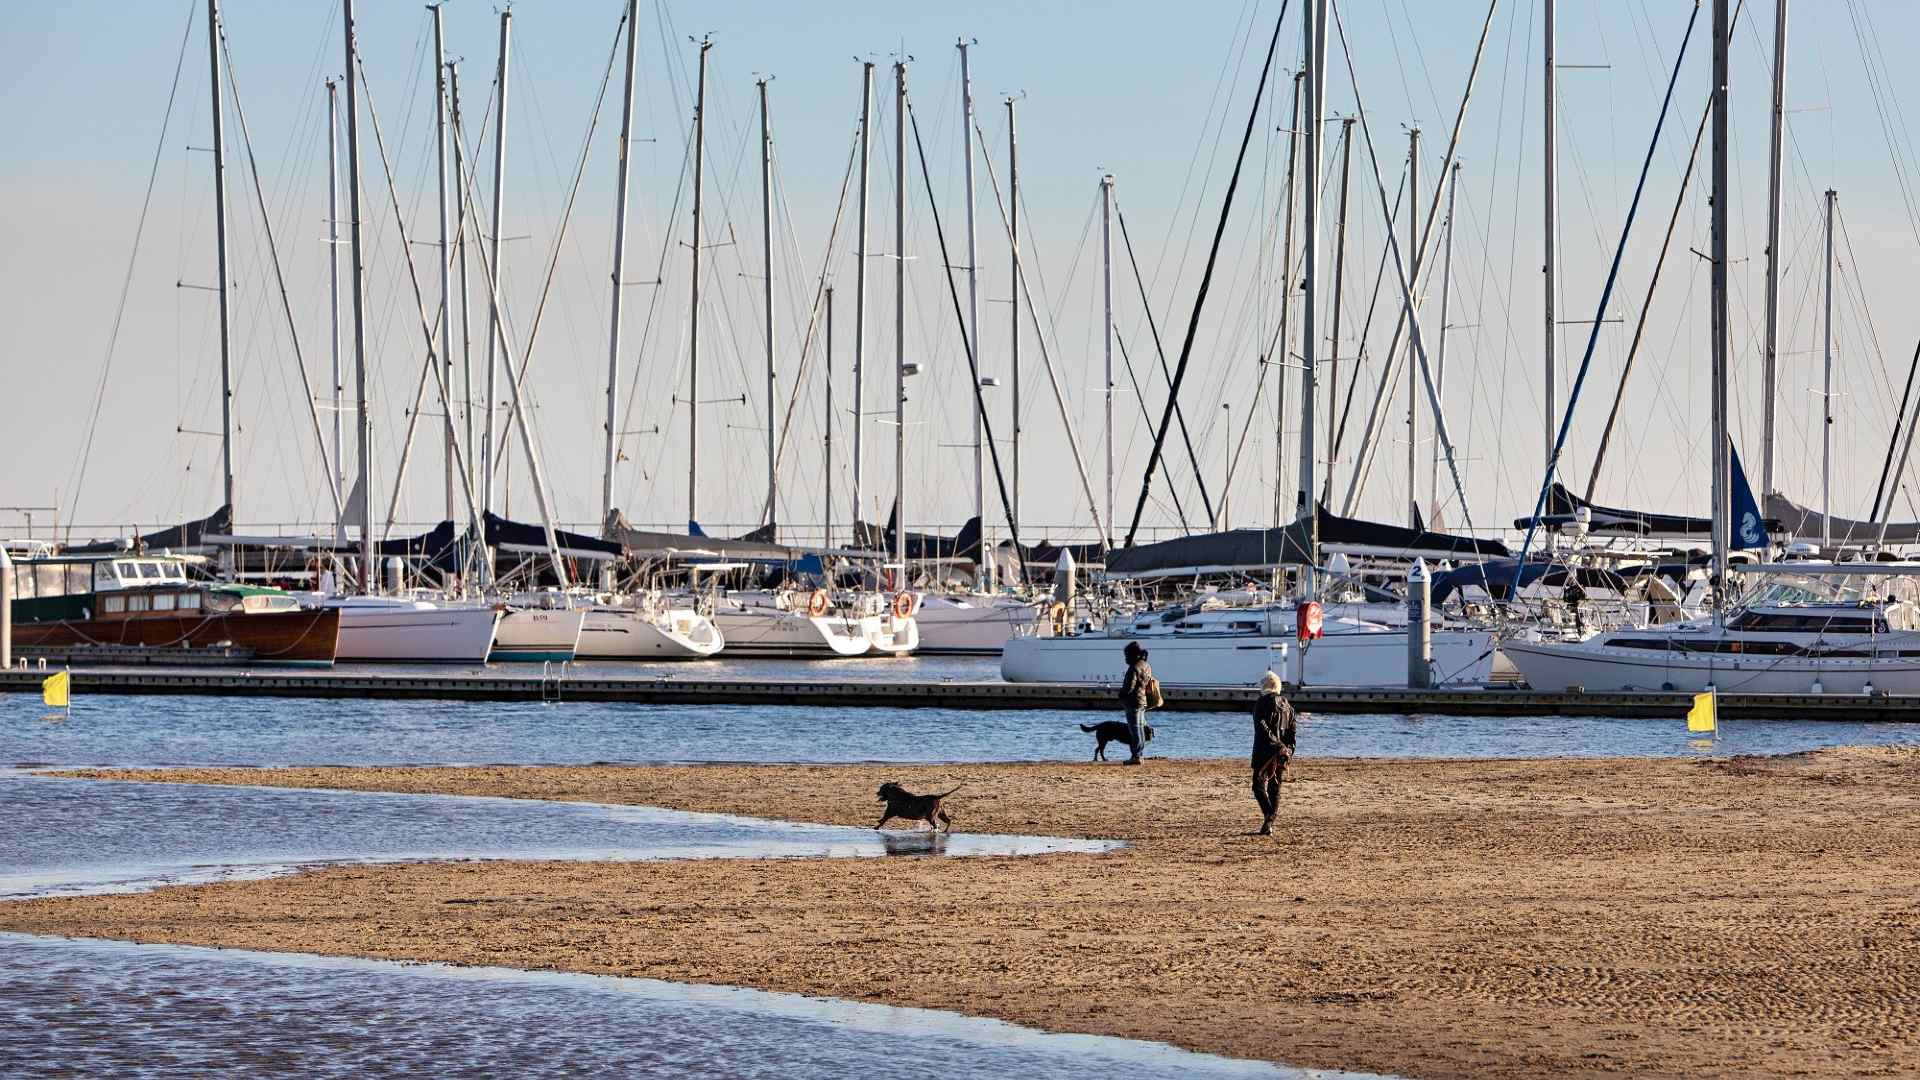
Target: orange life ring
{"points": [[817, 603], [902, 604]]}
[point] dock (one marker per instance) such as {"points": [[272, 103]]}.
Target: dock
{"points": [[1073, 697]]}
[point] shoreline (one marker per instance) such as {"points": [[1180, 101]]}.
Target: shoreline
{"points": [[1432, 917]]}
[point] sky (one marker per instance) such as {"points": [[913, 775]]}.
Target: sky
{"points": [[111, 348]]}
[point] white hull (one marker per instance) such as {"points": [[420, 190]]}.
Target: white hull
{"points": [[1555, 667], [537, 634], [759, 631], [1364, 658], [890, 636], [979, 626], [408, 633], [630, 634]]}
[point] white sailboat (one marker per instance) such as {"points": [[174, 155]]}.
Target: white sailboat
{"points": [[403, 630], [790, 625], [971, 624]]}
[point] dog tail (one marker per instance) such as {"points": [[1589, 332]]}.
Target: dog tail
{"points": [[1089, 727], [951, 790]]}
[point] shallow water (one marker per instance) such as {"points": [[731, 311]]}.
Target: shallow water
{"points": [[97, 836], [99, 1008], [156, 730]]}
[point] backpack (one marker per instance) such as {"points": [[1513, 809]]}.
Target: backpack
{"points": [[1153, 696]]}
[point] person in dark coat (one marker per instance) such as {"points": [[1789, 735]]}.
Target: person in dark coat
{"points": [[1273, 737], [1133, 697]]}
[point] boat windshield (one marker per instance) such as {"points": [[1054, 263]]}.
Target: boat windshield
{"points": [[1862, 589]]}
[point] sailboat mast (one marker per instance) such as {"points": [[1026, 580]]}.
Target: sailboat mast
{"points": [[619, 267], [1826, 398], [693, 329], [860, 295], [973, 316], [364, 483], [445, 359], [333, 273], [1718, 262], [1339, 284], [827, 443], [220, 256], [1106, 335], [1314, 29], [1413, 304], [1286, 306], [462, 228], [1550, 233], [1440, 357], [1770, 349], [490, 448], [1013, 301], [766, 258], [900, 320]]}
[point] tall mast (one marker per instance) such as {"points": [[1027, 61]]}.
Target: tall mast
{"points": [[220, 256], [619, 267], [1550, 235], [490, 449], [1718, 256], [1339, 281], [900, 319], [1106, 332], [364, 484], [333, 274], [973, 318], [693, 330], [1013, 302], [1314, 30], [1826, 398], [827, 503], [462, 228], [1440, 359], [1286, 306], [1770, 349], [860, 296], [446, 247], [766, 258], [1413, 304]]}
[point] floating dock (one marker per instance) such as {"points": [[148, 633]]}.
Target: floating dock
{"points": [[658, 690]]}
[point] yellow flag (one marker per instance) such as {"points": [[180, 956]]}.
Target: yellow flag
{"points": [[1704, 716], [56, 690]]}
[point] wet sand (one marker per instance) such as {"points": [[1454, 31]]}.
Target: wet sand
{"points": [[1508, 918]]}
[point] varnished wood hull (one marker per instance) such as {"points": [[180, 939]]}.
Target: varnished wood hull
{"points": [[305, 637]]}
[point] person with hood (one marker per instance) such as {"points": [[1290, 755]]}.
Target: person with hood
{"points": [[1273, 737], [1134, 697]]}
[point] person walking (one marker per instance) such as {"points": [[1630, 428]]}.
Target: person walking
{"points": [[1273, 737], [1134, 696]]}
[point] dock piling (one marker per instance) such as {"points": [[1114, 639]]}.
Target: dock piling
{"points": [[1419, 630]]}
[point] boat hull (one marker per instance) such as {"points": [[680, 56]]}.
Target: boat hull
{"points": [[627, 634], [1553, 667], [537, 634], [889, 636], [1460, 657], [790, 635], [414, 635], [307, 637], [972, 630]]}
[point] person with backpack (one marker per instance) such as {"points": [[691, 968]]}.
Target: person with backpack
{"points": [[1274, 730], [1139, 691]]}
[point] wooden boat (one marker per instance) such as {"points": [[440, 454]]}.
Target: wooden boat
{"points": [[78, 601]]}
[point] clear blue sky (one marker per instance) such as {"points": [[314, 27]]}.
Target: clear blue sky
{"points": [[1153, 94]]}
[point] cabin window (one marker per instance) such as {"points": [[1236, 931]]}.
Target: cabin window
{"points": [[79, 579], [51, 579], [22, 582], [190, 601], [103, 576], [125, 570], [139, 603], [113, 605], [164, 601], [150, 571]]}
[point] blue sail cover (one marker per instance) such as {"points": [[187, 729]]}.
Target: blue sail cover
{"points": [[1749, 529]]}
